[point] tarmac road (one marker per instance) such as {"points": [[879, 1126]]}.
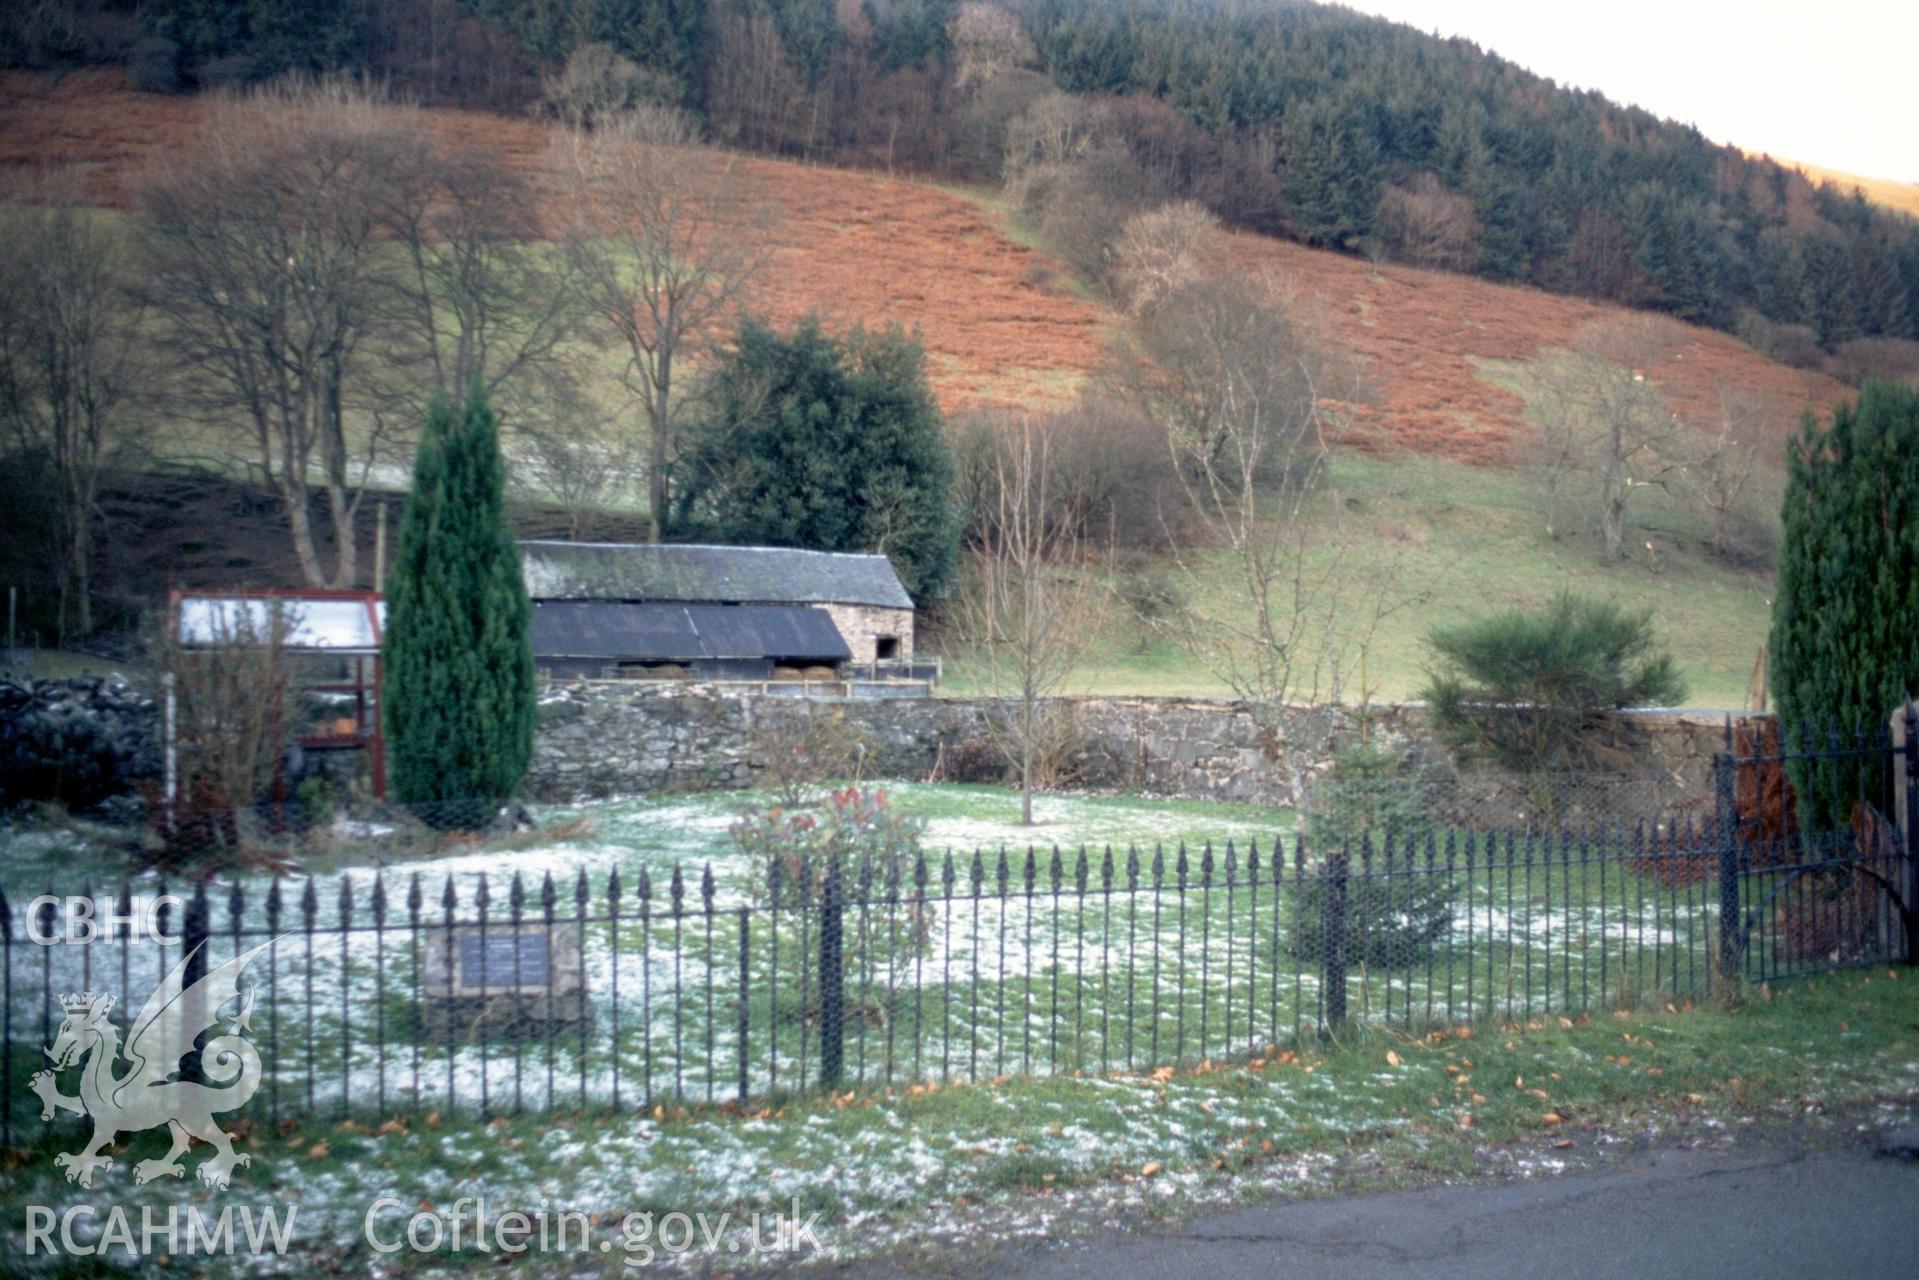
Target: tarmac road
{"points": [[1752, 1212]]}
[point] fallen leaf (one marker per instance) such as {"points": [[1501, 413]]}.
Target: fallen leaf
{"points": [[1562, 1144], [1164, 1073], [319, 1150], [1392, 1058], [1551, 1118], [1566, 1024], [1148, 1170], [1695, 1098]]}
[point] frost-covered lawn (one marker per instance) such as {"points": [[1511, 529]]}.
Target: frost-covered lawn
{"points": [[689, 830], [1072, 962], [916, 1172]]}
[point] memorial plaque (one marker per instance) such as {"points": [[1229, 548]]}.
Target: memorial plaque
{"points": [[510, 959], [501, 980]]}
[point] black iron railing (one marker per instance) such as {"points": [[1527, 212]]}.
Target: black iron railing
{"points": [[383, 991]]}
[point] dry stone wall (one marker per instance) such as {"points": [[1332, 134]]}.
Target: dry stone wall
{"points": [[600, 739]]}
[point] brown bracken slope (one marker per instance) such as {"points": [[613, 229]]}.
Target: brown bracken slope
{"points": [[859, 247], [1421, 335], [852, 247]]}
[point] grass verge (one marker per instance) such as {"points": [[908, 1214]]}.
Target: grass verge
{"points": [[895, 1174]]}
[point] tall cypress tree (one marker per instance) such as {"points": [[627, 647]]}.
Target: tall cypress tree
{"points": [[1844, 648], [460, 706]]}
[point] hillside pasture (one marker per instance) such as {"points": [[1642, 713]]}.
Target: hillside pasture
{"points": [[1438, 467]]}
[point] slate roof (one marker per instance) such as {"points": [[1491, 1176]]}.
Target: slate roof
{"points": [[705, 574], [621, 632]]}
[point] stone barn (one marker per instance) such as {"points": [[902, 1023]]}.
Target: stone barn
{"points": [[672, 610]]}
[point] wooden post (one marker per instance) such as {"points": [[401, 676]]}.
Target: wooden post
{"points": [[1905, 804], [379, 548]]}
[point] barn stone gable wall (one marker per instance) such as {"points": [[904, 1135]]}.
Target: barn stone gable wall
{"points": [[861, 626]]}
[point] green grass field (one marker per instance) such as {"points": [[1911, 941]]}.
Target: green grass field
{"points": [[1453, 541]]}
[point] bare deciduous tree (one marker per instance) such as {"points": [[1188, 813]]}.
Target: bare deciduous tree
{"points": [[1559, 452], [231, 681], [754, 95], [474, 292], [266, 260], [324, 267], [1158, 252], [576, 454], [1424, 224], [71, 361], [1027, 604], [1234, 381], [1599, 259], [987, 42], [597, 84], [1635, 430], [1042, 142], [1720, 459], [1251, 399], [663, 241]]}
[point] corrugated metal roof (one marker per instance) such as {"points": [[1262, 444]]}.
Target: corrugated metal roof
{"points": [[623, 632], [696, 573]]}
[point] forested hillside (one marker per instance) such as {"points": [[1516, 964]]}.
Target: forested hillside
{"points": [[1301, 120], [1080, 259]]}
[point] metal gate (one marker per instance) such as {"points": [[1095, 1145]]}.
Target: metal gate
{"points": [[1816, 839]]}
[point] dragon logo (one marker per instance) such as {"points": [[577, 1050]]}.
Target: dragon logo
{"points": [[147, 1095]]}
